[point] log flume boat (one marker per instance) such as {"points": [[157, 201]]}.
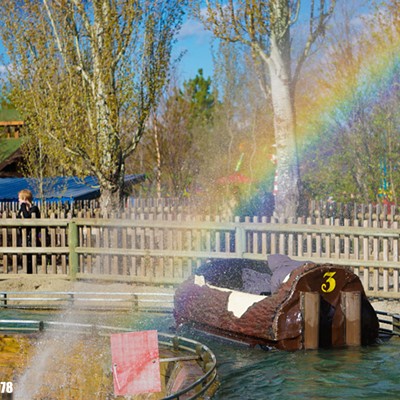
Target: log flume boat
{"points": [[279, 303]]}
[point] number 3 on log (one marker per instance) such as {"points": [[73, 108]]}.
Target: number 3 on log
{"points": [[330, 283]]}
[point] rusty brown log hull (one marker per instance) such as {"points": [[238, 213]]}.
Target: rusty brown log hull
{"points": [[278, 320]]}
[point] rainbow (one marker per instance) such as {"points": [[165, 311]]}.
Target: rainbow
{"points": [[370, 81]]}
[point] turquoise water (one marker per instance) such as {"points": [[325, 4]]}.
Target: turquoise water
{"points": [[253, 374], [363, 373]]}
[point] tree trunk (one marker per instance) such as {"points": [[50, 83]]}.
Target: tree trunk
{"points": [[158, 159], [111, 197], [110, 168], [287, 197]]}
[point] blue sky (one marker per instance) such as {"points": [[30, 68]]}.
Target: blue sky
{"points": [[195, 43]]}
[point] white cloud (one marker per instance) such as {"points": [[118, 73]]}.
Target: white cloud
{"points": [[192, 29]]}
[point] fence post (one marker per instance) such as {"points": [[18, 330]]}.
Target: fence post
{"points": [[73, 244], [240, 241]]}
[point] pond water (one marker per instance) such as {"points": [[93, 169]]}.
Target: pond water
{"points": [[254, 374]]}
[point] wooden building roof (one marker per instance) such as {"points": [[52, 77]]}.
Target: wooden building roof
{"points": [[10, 156]]}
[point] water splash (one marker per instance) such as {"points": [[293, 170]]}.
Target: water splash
{"points": [[60, 359]]}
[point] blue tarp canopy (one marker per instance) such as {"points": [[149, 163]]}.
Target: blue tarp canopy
{"points": [[59, 189]]}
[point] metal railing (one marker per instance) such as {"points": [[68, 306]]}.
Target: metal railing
{"points": [[134, 301], [389, 323]]}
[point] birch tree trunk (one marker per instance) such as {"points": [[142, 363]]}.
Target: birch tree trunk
{"points": [[287, 197]]}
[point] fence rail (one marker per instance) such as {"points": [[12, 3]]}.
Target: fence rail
{"points": [[167, 251]]}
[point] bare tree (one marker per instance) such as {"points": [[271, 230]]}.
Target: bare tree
{"points": [[90, 72], [265, 27]]}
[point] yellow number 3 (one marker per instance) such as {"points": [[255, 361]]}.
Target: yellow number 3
{"points": [[330, 284]]}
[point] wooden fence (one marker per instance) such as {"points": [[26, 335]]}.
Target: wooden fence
{"points": [[167, 251], [173, 208]]}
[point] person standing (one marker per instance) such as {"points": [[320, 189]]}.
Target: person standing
{"points": [[26, 210]]}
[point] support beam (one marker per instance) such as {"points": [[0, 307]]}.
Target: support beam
{"points": [[310, 305], [351, 307]]}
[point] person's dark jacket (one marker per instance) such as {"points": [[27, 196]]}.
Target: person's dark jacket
{"points": [[26, 212]]}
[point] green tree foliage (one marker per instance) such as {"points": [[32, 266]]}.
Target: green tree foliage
{"points": [[86, 75], [6, 104], [39, 165], [197, 92]]}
